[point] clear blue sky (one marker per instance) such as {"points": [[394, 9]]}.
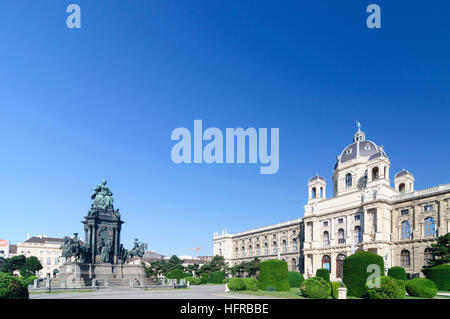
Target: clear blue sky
{"points": [[77, 106]]}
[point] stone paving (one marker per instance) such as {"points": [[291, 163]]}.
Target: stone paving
{"points": [[193, 292]]}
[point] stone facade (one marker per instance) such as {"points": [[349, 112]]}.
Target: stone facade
{"points": [[365, 213], [275, 241]]}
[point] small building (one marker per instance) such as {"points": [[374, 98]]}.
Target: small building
{"points": [[46, 249]]}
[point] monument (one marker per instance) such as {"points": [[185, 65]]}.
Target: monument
{"points": [[101, 259]]}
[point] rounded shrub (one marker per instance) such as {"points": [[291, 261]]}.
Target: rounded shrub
{"points": [[441, 276], [323, 273], [12, 287], [421, 287], [397, 272], [315, 287], [389, 288], [295, 279], [335, 285], [236, 283], [251, 284], [274, 273], [355, 271]]}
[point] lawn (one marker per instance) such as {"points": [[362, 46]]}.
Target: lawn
{"points": [[293, 294]]}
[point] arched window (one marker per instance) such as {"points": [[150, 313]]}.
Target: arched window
{"points": [[243, 251], [402, 188], [405, 258], [340, 265], [384, 175], [341, 236], [429, 227], [313, 192], [266, 248], [427, 255], [284, 246], [321, 192], [375, 173], [406, 230], [294, 244], [326, 262], [294, 264], [275, 247], [236, 251], [348, 180], [258, 250], [358, 234], [250, 250], [326, 238]]}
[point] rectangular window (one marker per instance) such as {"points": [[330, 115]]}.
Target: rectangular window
{"points": [[325, 224], [49, 261], [357, 217], [340, 220], [428, 208], [56, 261], [404, 212]]}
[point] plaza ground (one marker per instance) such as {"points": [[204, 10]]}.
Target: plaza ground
{"points": [[193, 292]]}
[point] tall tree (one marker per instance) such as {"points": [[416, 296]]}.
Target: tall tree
{"points": [[32, 264], [440, 252], [13, 263]]}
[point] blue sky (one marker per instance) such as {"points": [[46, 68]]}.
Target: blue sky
{"points": [[77, 106]]}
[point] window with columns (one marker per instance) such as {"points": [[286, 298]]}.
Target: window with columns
{"points": [[405, 258], [429, 227], [358, 234], [326, 238], [427, 255], [341, 236], [406, 230], [284, 246], [326, 262]]}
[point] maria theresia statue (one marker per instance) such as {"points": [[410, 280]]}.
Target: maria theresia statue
{"points": [[102, 228]]}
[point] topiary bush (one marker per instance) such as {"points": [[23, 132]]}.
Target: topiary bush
{"points": [[355, 271], [176, 274], [334, 288], [216, 277], [323, 273], [389, 288], [274, 273], [315, 287], [12, 287], [236, 283], [251, 284], [421, 287], [441, 276], [397, 272], [295, 279], [204, 278]]}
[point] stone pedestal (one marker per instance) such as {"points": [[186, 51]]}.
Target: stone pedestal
{"points": [[342, 293], [77, 275]]}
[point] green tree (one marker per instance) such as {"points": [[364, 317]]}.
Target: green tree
{"points": [[175, 263], [32, 264], [218, 263], [13, 263], [440, 252]]}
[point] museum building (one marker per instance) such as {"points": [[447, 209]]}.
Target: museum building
{"points": [[364, 213]]}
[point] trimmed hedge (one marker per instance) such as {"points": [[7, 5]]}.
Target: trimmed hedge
{"points": [[12, 287], [236, 283], [295, 279], [323, 273], [421, 287], [193, 281], [216, 277], [251, 284], [335, 285], [315, 287], [441, 276], [176, 274], [389, 288], [274, 273], [397, 272], [355, 271], [204, 278]]}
